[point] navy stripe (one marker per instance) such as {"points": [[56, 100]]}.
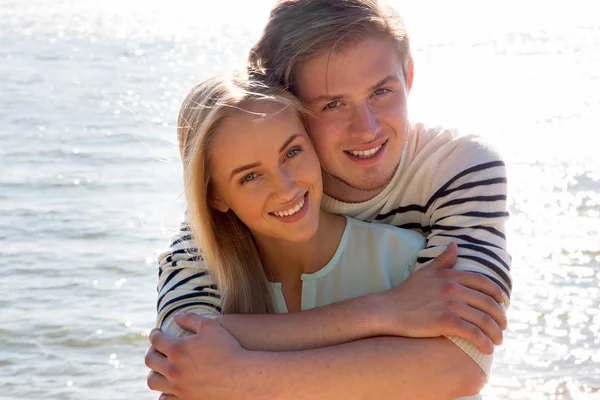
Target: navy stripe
{"points": [[496, 281], [189, 250], [440, 192], [423, 260], [195, 303], [471, 239], [443, 190], [469, 185], [487, 199], [479, 249], [185, 228], [184, 238], [187, 296], [487, 252], [181, 282], [492, 267], [479, 214], [414, 226], [200, 288], [482, 227], [171, 276]]}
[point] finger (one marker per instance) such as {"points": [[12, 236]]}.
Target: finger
{"points": [[161, 341], [482, 321], [447, 258], [478, 300], [156, 361], [457, 326], [192, 322], [481, 283], [487, 305], [157, 382]]}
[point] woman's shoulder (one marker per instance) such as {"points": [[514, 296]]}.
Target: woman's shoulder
{"points": [[380, 236]]}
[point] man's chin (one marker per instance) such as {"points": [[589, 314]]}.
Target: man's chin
{"points": [[368, 186], [363, 188]]}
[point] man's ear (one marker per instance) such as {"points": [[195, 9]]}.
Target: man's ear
{"points": [[218, 204], [410, 74]]}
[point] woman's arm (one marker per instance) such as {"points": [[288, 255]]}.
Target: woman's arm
{"points": [[374, 368], [428, 304]]}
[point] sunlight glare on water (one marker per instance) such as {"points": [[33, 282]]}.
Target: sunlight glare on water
{"points": [[91, 188]]}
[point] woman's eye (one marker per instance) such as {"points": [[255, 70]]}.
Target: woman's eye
{"points": [[250, 177], [332, 105], [292, 153]]}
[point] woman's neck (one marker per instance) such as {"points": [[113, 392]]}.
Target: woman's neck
{"points": [[286, 261]]}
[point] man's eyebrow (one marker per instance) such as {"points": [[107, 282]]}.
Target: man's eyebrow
{"points": [[387, 79], [287, 142], [324, 97], [243, 168], [327, 97]]}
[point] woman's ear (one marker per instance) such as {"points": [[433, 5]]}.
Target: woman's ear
{"points": [[218, 204]]}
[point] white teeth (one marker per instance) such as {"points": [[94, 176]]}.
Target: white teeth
{"points": [[366, 154], [291, 211]]}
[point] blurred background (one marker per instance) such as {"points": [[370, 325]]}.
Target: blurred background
{"points": [[91, 186]]}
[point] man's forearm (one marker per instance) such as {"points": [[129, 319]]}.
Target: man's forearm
{"points": [[381, 368], [310, 329]]}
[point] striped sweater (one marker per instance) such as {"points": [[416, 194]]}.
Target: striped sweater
{"points": [[451, 188]]}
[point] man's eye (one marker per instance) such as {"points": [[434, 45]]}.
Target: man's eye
{"points": [[379, 92], [250, 177], [292, 153], [332, 105]]}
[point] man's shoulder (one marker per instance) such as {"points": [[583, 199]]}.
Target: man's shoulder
{"points": [[451, 149], [182, 248]]}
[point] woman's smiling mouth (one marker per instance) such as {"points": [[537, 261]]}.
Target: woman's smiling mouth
{"points": [[293, 213]]}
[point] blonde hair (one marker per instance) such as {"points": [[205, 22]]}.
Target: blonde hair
{"points": [[227, 244], [300, 29]]}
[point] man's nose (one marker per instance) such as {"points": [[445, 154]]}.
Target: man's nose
{"points": [[364, 122]]}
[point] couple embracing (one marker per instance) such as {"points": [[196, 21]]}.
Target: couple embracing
{"points": [[332, 248]]}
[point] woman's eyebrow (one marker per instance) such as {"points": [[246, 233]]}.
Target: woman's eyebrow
{"points": [[287, 142], [243, 168]]}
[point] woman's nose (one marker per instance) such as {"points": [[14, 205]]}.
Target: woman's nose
{"points": [[286, 188]]}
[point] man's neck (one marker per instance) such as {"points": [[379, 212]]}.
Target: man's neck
{"points": [[286, 261], [345, 193]]}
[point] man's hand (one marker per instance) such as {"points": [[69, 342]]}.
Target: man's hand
{"points": [[200, 366], [437, 300]]}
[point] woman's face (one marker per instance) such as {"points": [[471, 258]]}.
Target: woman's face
{"points": [[265, 170]]}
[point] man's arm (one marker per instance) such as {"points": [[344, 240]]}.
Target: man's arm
{"points": [[185, 285], [382, 368], [468, 206], [201, 365]]}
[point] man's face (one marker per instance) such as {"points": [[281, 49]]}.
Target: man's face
{"points": [[359, 121]]}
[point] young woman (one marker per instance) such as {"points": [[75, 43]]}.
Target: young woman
{"points": [[253, 188]]}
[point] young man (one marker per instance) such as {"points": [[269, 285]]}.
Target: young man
{"points": [[350, 62]]}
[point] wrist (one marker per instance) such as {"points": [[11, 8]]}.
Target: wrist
{"points": [[255, 367], [374, 320]]}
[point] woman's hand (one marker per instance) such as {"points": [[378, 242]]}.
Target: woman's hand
{"points": [[439, 301]]}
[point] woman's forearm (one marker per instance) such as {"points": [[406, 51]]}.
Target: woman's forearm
{"points": [[319, 327], [375, 368]]}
